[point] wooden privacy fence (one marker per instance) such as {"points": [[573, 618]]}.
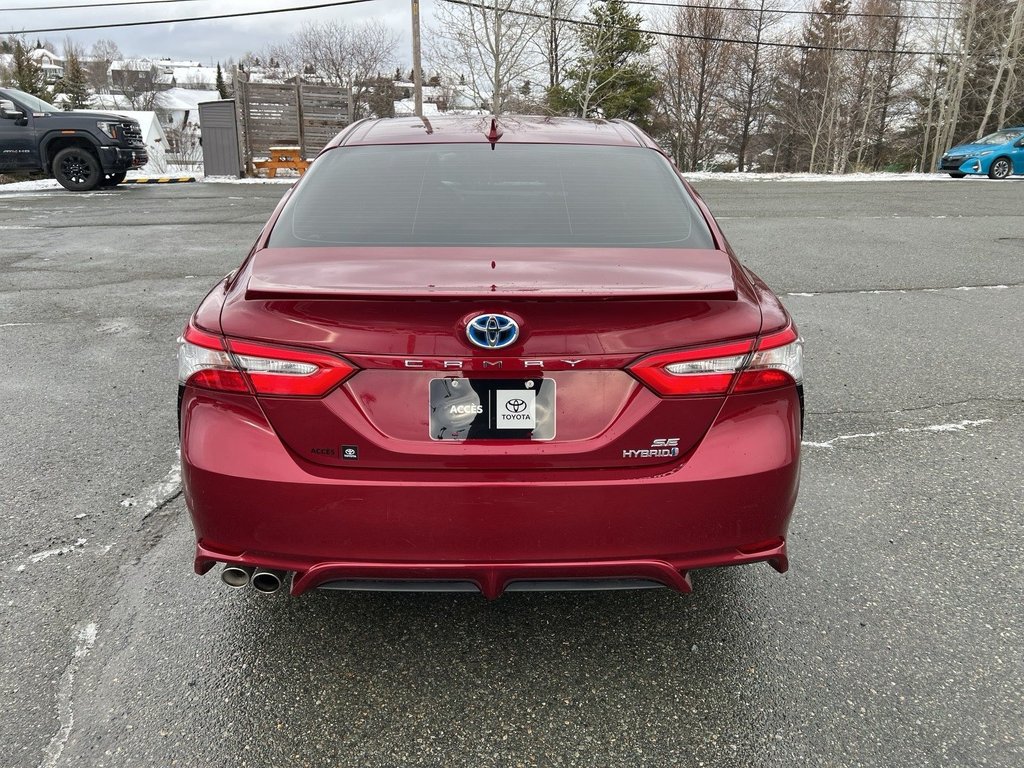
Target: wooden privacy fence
{"points": [[290, 114]]}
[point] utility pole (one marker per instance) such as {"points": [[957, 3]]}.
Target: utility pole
{"points": [[417, 74]]}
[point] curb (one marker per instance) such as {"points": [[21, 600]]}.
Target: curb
{"points": [[161, 180]]}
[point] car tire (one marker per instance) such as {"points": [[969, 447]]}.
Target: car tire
{"points": [[113, 179], [957, 174], [1001, 168], [77, 169]]}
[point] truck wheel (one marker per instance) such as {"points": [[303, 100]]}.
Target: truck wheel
{"points": [[77, 169], [113, 179]]}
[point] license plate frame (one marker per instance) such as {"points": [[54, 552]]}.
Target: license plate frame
{"points": [[491, 410]]}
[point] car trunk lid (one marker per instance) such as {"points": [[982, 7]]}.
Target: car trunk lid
{"points": [[584, 315]]}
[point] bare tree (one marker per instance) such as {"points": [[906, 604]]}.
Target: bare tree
{"points": [[956, 79], [877, 33], [1016, 62], [135, 79], [895, 67], [1010, 51], [341, 54], [693, 73], [931, 77], [101, 56], [559, 37], [752, 70], [492, 47]]}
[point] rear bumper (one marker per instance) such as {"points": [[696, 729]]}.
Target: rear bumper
{"points": [[255, 503]]}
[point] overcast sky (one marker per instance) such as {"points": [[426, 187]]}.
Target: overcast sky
{"points": [[204, 41]]}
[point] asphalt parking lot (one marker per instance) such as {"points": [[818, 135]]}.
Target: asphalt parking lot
{"points": [[895, 639]]}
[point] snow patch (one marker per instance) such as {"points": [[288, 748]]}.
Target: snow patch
{"points": [[30, 186], [159, 493], [38, 557]]}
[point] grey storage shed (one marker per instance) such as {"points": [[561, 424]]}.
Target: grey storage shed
{"points": [[221, 148]]}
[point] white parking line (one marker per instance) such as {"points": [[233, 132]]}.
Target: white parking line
{"points": [[65, 709], [879, 291], [959, 426]]}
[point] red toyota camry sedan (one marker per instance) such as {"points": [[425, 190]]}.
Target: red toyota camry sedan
{"points": [[489, 354]]}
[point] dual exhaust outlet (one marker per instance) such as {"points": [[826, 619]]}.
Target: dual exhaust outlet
{"points": [[262, 580]]}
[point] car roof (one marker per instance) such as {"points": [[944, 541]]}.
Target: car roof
{"points": [[511, 129]]}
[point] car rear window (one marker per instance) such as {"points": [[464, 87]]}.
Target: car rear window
{"points": [[471, 194]]}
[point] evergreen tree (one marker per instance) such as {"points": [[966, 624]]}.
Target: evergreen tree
{"points": [[381, 97], [28, 76], [222, 87], [612, 76], [73, 84]]}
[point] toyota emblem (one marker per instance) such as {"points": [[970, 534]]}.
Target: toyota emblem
{"points": [[492, 331]]}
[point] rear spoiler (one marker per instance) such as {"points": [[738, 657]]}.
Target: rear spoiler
{"points": [[298, 274]]}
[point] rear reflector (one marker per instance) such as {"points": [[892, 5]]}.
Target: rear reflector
{"points": [[776, 362], [210, 362]]}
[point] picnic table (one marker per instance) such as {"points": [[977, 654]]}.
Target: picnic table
{"points": [[282, 157]]}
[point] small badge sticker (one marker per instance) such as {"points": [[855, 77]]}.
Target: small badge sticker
{"points": [[350, 452], [515, 409]]}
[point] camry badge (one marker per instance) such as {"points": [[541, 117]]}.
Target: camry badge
{"points": [[492, 331]]}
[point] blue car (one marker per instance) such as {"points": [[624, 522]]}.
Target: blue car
{"points": [[999, 154]]}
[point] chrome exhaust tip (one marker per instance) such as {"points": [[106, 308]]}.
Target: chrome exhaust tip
{"points": [[267, 581], [236, 576]]}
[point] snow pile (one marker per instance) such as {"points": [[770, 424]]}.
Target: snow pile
{"points": [[833, 177], [35, 185]]}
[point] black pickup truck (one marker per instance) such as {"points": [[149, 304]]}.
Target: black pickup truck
{"points": [[81, 150]]}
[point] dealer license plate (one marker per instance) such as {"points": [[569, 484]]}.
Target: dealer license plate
{"points": [[492, 409]]}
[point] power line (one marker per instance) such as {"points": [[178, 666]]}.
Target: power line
{"points": [[96, 5], [787, 12], [683, 36], [181, 21]]}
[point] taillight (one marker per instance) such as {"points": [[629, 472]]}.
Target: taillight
{"points": [[242, 366], [203, 362], [706, 371], [776, 362], [278, 371]]}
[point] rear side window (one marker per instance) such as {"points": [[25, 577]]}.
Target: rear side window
{"points": [[471, 194]]}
